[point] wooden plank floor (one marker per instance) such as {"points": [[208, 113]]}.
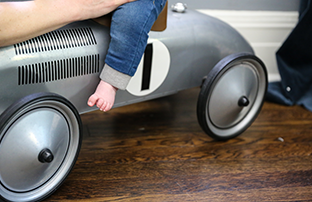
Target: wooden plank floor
{"points": [[156, 151]]}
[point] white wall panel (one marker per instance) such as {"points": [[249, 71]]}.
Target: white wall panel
{"points": [[264, 30]]}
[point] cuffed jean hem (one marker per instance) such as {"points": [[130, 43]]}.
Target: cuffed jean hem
{"points": [[114, 77]]}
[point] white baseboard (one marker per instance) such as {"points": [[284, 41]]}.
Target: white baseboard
{"points": [[264, 30]]}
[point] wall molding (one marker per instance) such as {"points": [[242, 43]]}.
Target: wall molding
{"points": [[264, 30], [255, 5]]}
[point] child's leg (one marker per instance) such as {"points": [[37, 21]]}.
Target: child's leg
{"points": [[131, 23]]}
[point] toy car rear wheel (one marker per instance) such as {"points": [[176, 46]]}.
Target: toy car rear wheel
{"points": [[40, 138], [232, 96]]}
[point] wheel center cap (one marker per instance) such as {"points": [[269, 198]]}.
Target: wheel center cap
{"points": [[243, 101], [45, 156]]}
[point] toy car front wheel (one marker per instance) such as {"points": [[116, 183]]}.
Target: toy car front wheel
{"points": [[232, 96], [40, 138]]}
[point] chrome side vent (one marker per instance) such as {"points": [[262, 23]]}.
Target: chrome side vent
{"points": [[56, 40], [58, 70]]}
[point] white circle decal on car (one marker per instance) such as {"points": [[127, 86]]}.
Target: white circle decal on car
{"points": [[152, 70]]}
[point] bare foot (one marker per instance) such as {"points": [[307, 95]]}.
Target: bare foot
{"points": [[103, 97]]}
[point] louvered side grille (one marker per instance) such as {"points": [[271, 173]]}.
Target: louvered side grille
{"points": [[58, 70], [56, 40]]}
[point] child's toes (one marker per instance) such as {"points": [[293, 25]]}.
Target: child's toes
{"points": [[92, 100], [103, 107], [108, 107], [100, 103]]}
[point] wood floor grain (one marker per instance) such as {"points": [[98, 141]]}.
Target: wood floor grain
{"points": [[156, 151]]}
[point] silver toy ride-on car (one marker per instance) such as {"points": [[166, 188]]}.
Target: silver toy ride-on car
{"points": [[46, 81]]}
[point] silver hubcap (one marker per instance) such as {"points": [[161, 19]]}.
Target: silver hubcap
{"points": [[236, 97], [235, 84], [20, 169], [37, 149]]}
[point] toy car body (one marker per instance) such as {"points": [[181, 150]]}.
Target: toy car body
{"points": [[46, 81], [67, 61]]}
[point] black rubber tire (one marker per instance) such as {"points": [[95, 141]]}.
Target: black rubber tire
{"points": [[220, 69]]}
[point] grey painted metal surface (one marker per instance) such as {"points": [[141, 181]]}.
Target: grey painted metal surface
{"points": [[267, 5], [68, 61]]}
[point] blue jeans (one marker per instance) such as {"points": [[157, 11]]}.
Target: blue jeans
{"points": [[130, 26]]}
